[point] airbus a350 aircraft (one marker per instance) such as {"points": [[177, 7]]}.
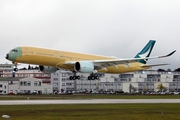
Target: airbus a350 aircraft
{"points": [[51, 60]]}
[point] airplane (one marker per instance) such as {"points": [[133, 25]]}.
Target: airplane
{"points": [[50, 61]]}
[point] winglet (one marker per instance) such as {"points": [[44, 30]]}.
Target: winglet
{"points": [[168, 54]]}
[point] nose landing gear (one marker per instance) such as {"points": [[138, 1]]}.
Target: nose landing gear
{"points": [[14, 69]]}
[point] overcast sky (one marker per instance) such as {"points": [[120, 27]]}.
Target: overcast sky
{"points": [[118, 28]]}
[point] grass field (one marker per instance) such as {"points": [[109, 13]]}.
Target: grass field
{"points": [[84, 96], [93, 112]]}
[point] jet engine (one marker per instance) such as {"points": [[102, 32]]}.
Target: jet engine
{"points": [[84, 67], [47, 69]]}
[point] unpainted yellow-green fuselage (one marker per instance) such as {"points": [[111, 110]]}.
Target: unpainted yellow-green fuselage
{"points": [[56, 58]]}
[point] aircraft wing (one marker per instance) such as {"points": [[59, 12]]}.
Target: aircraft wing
{"points": [[114, 62]]}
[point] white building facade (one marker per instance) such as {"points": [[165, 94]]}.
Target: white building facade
{"points": [[60, 81], [25, 85], [140, 81]]}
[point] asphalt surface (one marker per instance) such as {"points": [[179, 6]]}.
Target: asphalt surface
{"points": [[87, 101]]}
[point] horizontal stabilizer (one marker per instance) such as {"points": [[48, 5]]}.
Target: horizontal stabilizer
{"points": [[144, 65]]}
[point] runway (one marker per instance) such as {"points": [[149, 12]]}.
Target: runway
{"points": [[87, 101]]}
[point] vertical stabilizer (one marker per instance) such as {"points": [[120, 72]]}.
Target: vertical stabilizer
{"points": [[146, 51]]}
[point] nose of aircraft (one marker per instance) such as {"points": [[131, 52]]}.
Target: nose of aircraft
{"points": [[7, 56]]}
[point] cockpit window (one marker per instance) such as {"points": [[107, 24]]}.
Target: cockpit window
{"points": [[14, 50]]}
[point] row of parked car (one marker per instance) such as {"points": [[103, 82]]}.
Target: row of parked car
{"points": [[24, 93], [87, 92], [97, 92], [120, 92], [161, 93]]}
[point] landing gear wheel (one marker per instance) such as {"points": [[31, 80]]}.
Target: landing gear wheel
{"points": [[78, 77], [92, 77], [74, 77], [96, 77], [70, 78], [89, 77], [15, 69]]}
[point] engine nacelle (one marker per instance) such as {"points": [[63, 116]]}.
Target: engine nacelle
{"points": [[84, 67], [47, 69]]}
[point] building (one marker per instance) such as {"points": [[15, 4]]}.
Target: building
{"points": [[140, 81], [5, 68], [22, 73], [24, 85], [60, 81], [24, 80]]}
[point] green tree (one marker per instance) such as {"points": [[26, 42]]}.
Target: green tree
{"points": [[160, 87]]}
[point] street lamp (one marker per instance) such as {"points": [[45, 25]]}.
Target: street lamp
{"points": [[6, 116]]}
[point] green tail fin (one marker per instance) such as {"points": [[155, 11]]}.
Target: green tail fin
{"points": [[146, 51]]}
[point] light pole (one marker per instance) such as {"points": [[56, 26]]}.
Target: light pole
{"points": [[6, 116], [104, 87]]}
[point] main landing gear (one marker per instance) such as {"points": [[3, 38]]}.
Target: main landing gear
{"points": [[90, 77], [93, 77], [75, 77]]}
